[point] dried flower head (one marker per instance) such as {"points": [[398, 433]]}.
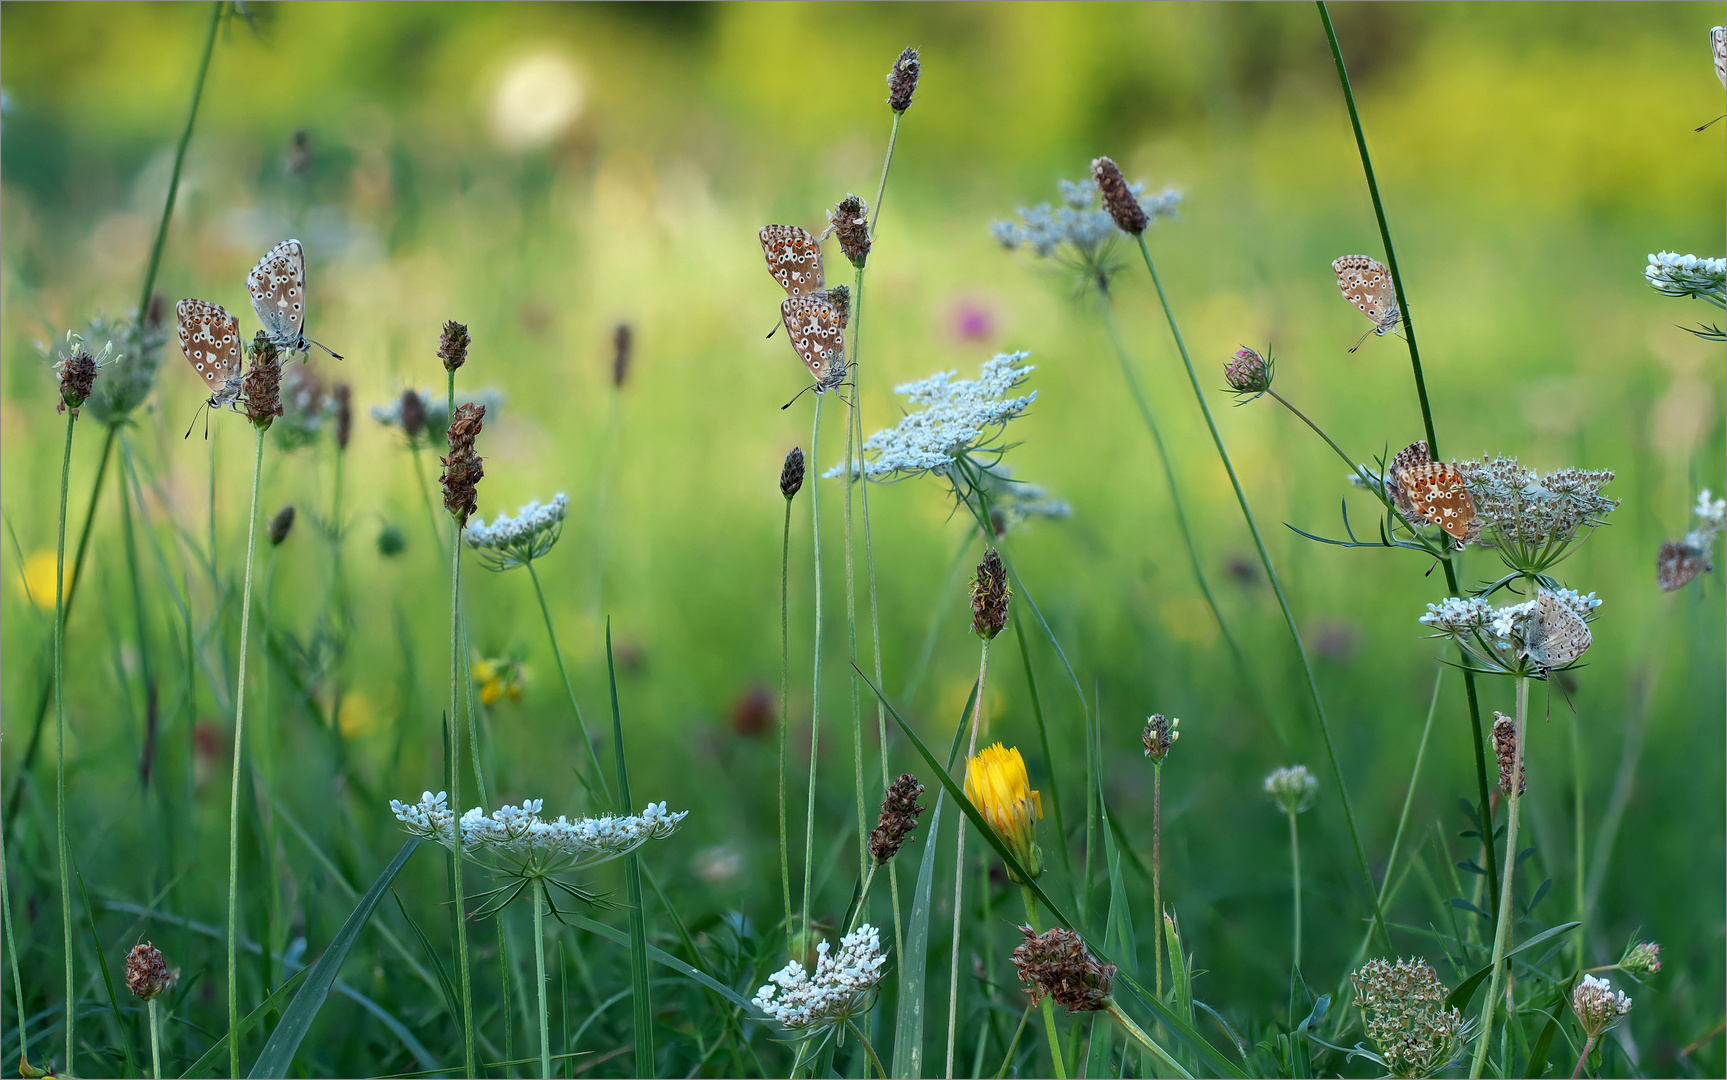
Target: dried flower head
{"points": [[1530, 518], [77, 373], [280, 524], [1505, 749], [623, 341], [453, 345], [1403, 1009], [1078, 235], [343, 396], [412, 412], [147, 974], [1159, 736], [849, 220], [899, 813], [423, 415], [1123, 207], [902, 81], [841, 987], [997, 784], [989, 597], [792, 473], [1057, 964], [463, 469], [1292, 788], [262, 388], [960, 417], [1248, 374], [1598, 1006], [1641, 958], [511, 542]]}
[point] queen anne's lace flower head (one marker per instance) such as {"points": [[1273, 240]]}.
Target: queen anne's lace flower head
{"points": [[1712, 512], [1456, 615], [1532, 518], [1496, 636], [838, 990], [1292, 788], [959, 417], [1673, 274], [1403, 1009], [1598, 1006], [520, 834], [1079, 234], [510, 542]]}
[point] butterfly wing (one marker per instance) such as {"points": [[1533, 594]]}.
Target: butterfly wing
{"points": [[1679, 564], [1557, 635], [794, 259], [278, 288], [1366, 283], [1410, 456], [1437, 491], [210, 340], [818, 335], [1718, 46]]}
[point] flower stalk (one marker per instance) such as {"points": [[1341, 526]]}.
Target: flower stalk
{"points": [[234, 784], [60, 744], [791, 480], [1502, 929]]}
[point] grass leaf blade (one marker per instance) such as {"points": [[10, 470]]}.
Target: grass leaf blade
{"points": [[643, 994]]}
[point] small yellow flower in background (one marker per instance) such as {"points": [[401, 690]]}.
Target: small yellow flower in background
{"points": [[355, 717], [996, 782], [38, 583], [497, 676]]}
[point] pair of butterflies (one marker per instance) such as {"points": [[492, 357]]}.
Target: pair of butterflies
{"points": [[1429, 492], [814, 315], [210, 335], [1366, 283]]}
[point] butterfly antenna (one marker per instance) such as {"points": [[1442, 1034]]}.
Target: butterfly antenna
{"points": [[800, 394], [1359, 340], [201, 411], [323, 346], [1711, 123], [774, 331]]}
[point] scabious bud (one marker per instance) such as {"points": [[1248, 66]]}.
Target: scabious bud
{"points": [[1118, 199], [1292, 788], [1505, 749], [1057, 964], [792, 473], [849, 220], [989, 597], [1598, 1006], [1247, 372], [77, 376], [902, 81], [462, 468], [280, 524], [1641, 958], [262, 388], [343, 395], [147, 974], [899, 814], [1159, 735], [623, 339], [453, 345]]}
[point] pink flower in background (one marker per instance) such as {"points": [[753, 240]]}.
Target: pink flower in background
{"points": [[972, 321]]}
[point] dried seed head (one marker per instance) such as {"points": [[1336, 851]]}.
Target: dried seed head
{"points": [[77, 375], [1641, 958], [989, 597], [792, 473], [1598, 1006], [1247, 372], [849, 220], [1129, 216], [413, 414], [147, 974], [262, 388], [343, 395], [1403, 1009], [622, 340], [902, 81], [1159, 735], [453, 345], [463, 468], [280, 524], [1057, 964], [1505, 748], [899, 814]]}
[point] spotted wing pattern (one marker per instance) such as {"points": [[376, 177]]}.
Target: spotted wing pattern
{"points": [[1718, 46], [1437, 492], [1557, 635], [278, 288], [210, 339], [1410, 456], [817, 332], [1366, 283], [794, 259], [1679, 564]]}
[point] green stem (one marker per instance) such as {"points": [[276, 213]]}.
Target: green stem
{"points": [[540, 972], [1047, 1006], [12, 954], [454, 769], [1295, 883], [179, 160], [1588, 1046], [977, 720], [881, 187], [1132, 1028], [1502, 932], [426, 498], [234, 786], [1157, 870], [1277, 590], [785, 716], [144, 672], [60, 741], [155, 1041], [816, 678], [1577, 826], [852, 625], [569, 690], [870, 1050], [1486, 807], [1013, 1044]]}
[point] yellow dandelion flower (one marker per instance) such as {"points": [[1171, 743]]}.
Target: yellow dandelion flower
{"points": [[38, 581], [997, 784]]}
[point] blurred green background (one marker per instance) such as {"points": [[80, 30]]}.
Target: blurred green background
{"points": [[543, 173]]}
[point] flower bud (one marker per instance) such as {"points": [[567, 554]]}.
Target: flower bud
{"points": [[77, 376], [343, 395], [902, 81], [849, 220], [147, 974], [413, 414], [280, 524], [1159, 735], [1118, 199], [1598, 1006], [622, 341], [1247, 372], [989, 597], [453, 345], [1292, 788], [1641, 958], [792, 473]]}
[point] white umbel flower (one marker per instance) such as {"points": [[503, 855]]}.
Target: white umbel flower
{"points": [[1598, 1006], [511, 542], [1673, 274], [958, 417], [519, 833], [1711, 511], [839, 989], [1292, 788]]}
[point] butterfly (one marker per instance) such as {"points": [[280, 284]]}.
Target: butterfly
{"points": [[1556, 635], [1679, 564], [1718, 47], [210, 340], [278, 288], [1367, 284], [1436, 493], [814, 316]]}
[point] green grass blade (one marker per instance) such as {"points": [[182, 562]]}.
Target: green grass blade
{"points": [[1460, 997], [278, 1054], [275, 1002], [644, 1004], [447, 987], [660, 956], [107, 976]]}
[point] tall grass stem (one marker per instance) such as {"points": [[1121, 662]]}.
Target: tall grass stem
{"points": [[1502, 931], [11, 950], [60, 748], [816, 677], [1295, 884], [569, 689], [1157, 870], [785, 715], [978, 719], [155, 1040], [540, 983], [454, 770], [179, 160]]}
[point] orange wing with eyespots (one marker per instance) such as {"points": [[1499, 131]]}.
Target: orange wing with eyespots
{"points": [[1437, 491], [1366, 283], [210, 340], [818, 334], [794, 259]]}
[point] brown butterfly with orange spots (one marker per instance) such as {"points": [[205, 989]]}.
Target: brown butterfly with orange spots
{"points": [[1431, 492], [814, 316], [1366, 283]]}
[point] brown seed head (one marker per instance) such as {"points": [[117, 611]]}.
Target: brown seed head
{"points": [[1159, 735], [622, 340], [849, 220], [902, 81], [989, 597], [1247, 372], [155, 311], [1056, 964], [280, 524], [1505, 748], [77, 375], [899, 814], [453, 345], [343, 395], [463, 468], [1117, 198], [147, 974], [792, 473], [413, 413], [262, 388]]}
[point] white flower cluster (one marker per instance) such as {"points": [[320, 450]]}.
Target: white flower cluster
{"points": [[1461, 617], [1079, 224], [520, 832], [1598, 1006], [959, 416], [1711, 511], [1673, 274], [837, 991], [1521, 508], [1456, 615], [1292, 788], [1509, 622], [510, 542]]}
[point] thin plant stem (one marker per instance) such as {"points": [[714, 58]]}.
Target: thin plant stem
{"points": [[155, 1040], [816, 677], [978, 719], [1577, 827], [1157, 870], [868, 1049], [1047, 1006], [1486, 804], [1277, 590], [12, 954], [239, 745], [569, 690], [852, 631], [1502, 932], [179, 160], [1295, 883], [540, 972], [426, 498], [785, 715], [1133, 1029], [1013, 1044], [1588, 1046], [887, 162], [144, 672], [454, 769], [60, 743]]}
